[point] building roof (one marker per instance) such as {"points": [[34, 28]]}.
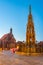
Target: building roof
{"points": [[20, 43], [8, 37], [40, 43]]}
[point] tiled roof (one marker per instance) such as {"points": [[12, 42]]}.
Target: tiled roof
{"points": [[40, 43], [8, 37]]}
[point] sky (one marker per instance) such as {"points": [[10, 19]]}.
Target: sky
{"points": [[14, 14]]}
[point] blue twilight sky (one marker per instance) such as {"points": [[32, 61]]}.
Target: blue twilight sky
{"points": [[14, 13]]}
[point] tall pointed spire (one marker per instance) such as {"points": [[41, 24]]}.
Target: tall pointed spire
{"points": [[30, 33], [11, 30], [30, 9]]}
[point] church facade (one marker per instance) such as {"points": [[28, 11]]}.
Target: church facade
{"points": [[8, 41]]}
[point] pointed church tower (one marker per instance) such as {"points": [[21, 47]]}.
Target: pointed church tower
{"points": [[10, 30], [30, 33]]}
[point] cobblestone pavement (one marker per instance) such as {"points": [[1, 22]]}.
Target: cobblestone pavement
{"points": [[8, 58]]}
